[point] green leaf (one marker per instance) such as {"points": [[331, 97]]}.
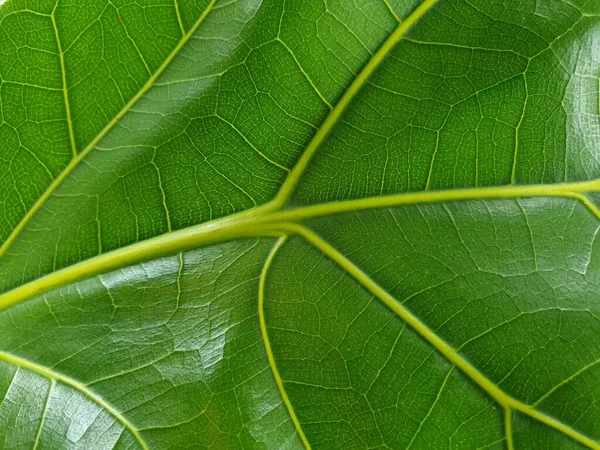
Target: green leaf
{"points": [[299, 224]]}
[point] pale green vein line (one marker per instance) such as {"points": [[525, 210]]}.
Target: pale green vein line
{"points": [[44, 412], [493, 444], [387, 360], [33, 155], [268, 349], [554, 423], [57, 377], [437, 399], [433, 339], [572, 190], [464, 47], [178, 282], [564, 382], [311, 82], [178, 14], [61, 57], [80, 157], [587, 203], [98, 225], [387, 3], [335, 114], [432, 162], [163, 195], [179, 274], [535, 257], [256, 150], [233, 227], [31, 85], [513, 175], [508, 428], [1, 108], [133, 43], [21, 11]]}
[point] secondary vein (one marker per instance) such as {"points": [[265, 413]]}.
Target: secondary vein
{"points": [[81, 156], [337, 111], [265, 336], [61, 56], [433, 339], [57, 377]]}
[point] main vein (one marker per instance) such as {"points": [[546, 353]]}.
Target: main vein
{"points": [[263, 219], [287, 187], [271, 220], [82, 155]]}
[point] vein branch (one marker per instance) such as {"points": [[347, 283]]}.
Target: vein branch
{"points": [[332, 118], [65, 90], [566, 381], [268, 349], [508, 428], [178, 14], [44, 412], [57, 377], [262, 220], [433, 339], [81, 156], [568, 190]]}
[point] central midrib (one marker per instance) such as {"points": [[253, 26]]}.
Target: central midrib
{"points": [[265, 220]]}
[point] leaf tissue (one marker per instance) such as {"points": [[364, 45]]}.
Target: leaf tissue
{"points": [[299, 224]]}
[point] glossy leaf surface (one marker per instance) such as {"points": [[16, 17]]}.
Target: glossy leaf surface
{"points": [[299, 224]]}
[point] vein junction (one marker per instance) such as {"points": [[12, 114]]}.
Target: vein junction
{"points": [[267, 219]]}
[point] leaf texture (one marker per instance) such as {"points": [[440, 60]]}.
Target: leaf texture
{"points": [[299, 224]]}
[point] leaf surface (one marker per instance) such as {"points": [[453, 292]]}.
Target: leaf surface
{"points": [[292, 224]]}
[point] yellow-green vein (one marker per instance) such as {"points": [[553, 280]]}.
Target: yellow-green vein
{"points": [[586, 201], [308, 78], [508, 428], [178, 14], [57, 377], [565, 381], [44, 412], [257, 221], [63, 72], [572, 190], [337, 111], [392, 12], [268, 349], [434, 340], [435, 402], [165, 245], [162, 193], [81, 156], [513, 174]]}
